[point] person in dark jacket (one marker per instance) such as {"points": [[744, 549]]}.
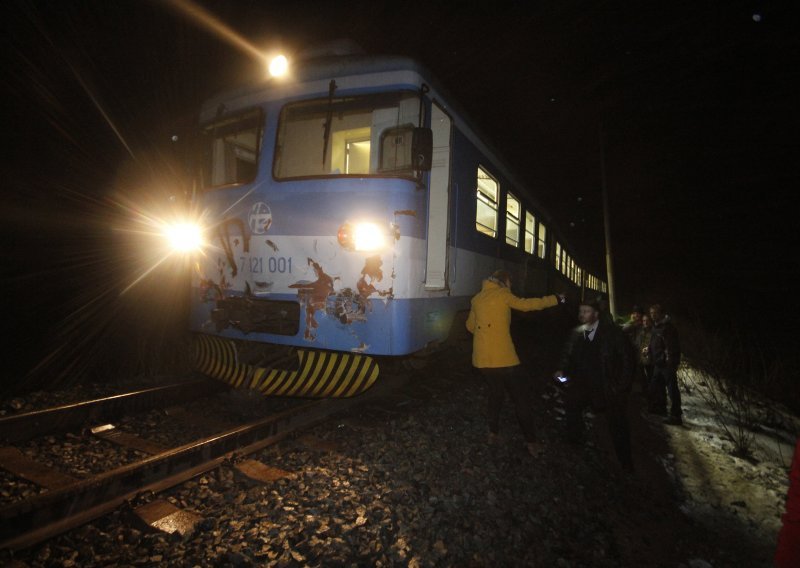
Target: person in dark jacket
{"points": [[664, 351], [643, 351], [634, 324], [598, 364], [634, 330]]}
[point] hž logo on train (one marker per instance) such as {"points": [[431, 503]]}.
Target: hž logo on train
{"points": [[260, 218]]}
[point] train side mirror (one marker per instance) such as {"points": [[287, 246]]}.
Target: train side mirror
{"points": [[422, 149]]}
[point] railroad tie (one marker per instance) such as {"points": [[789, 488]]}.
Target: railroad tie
{"points": [[14, 461], [254, 472], [111, 433], [160, 515]]}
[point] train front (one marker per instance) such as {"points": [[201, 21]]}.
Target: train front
{"points": [[313, 207]]}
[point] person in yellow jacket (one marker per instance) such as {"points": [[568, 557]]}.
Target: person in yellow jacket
{"points": [[493, 350]]}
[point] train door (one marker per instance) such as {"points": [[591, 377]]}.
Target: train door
{"points": [[438, 201]]}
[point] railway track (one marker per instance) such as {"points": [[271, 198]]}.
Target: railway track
{"points": [[26, 425], [70, 502]]}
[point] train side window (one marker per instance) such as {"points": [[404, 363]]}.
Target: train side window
{"points": [[540, 248], [558, 256], [512, 220], [530, 238], [486, 210]]}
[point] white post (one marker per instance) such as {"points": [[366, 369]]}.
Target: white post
{"points": [[607, 226]]}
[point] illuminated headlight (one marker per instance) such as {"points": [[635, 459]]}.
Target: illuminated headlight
{"points": [[362, 236], [184, 237], [278, 66]]}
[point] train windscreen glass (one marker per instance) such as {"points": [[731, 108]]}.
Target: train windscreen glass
{"points": [[369, 135], [231, 149]]}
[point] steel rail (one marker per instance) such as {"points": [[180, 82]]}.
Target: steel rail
{"points": [[21, 427], [44, 516]]}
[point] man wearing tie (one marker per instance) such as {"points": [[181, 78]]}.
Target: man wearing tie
{"points": [[598, 365]]}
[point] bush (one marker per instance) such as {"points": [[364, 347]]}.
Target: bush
{"points": [[735, 373]]}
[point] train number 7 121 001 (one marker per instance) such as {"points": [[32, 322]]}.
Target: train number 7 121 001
{"points": [[257, 264]]}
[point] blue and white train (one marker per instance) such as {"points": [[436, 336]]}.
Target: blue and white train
{"points": [[351, 214]]}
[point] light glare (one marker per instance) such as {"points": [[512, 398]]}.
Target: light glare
{"points": [[278, 66], [368, 236], [184, 237]]}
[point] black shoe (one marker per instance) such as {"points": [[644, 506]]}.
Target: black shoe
{"points": [[673, 421]]}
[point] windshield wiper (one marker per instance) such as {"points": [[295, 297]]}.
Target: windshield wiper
{"points": [[328, 118]]}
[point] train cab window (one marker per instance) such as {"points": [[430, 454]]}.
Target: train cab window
{"points": [[530, 238], [486, 211], [231, 148], [540, 242], [512, 220], [356, 156], [367, 135]]}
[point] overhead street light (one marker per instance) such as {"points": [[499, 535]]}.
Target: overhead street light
{"points": [[278, 66]]}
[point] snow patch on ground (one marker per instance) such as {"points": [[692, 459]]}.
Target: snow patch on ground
{"points": [[750, 493]]}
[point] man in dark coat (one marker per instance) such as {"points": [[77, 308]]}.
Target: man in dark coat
{"points": [[664, 351], [634, 330], [598, 364]]}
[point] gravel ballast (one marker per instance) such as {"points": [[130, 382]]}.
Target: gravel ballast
{"points": [[412, 481]]}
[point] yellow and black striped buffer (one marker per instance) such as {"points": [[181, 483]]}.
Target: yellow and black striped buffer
{"points": [[320, 374]]}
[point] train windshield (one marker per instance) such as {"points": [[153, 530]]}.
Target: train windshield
{"points": [[357, 136], [231, 148]]}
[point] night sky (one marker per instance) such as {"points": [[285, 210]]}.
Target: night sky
{"points": [[696, 103]]}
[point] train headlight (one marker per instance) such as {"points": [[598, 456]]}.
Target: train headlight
{"points": [[362, 236], [184, 237]]}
